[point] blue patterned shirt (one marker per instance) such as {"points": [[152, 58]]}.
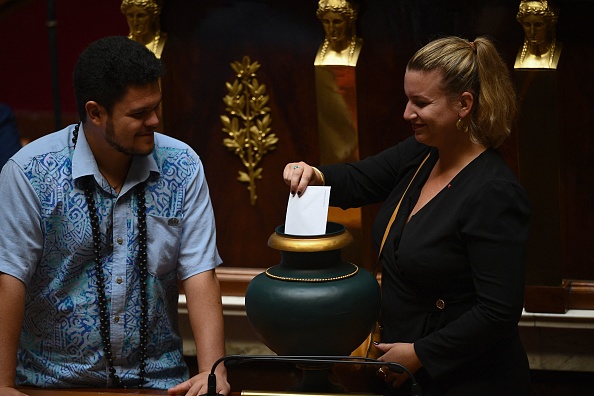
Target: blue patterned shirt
{"points": [[46, 242]]}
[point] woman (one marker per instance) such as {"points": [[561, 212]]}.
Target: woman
{"points": [[453, 259]]}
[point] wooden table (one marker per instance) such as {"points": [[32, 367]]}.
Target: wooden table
{"points": [[95, 392], [89, 392]]}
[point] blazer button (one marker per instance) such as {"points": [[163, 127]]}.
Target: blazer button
{"points": [[440, 304]]}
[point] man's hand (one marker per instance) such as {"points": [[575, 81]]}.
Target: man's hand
{"points": [[205, 310], [12, 308], [198, 385]]}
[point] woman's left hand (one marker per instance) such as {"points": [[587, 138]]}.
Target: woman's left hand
{"points": [[401, 353]]}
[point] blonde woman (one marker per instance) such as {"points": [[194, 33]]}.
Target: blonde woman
{"points": [[453, 257]]}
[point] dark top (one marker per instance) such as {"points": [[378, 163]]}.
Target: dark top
{"points": [[453, 277], [9, 135]]}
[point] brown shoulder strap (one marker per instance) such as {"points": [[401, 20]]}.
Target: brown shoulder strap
{"points": [[387, 231]]}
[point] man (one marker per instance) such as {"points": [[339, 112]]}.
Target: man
{"points": [[99, 221]]}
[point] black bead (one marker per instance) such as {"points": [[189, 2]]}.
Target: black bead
{"points": [[101, 278]]}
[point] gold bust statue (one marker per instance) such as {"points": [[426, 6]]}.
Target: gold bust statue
{"points": [[144, 23], [541, 50], [341, 45]]}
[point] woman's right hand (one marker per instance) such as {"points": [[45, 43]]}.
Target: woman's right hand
{"points": [[299, 175]]}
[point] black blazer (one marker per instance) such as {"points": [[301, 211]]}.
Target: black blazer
{"points": [[453, 276]]}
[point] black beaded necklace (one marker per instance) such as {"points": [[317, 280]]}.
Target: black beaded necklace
{"points": [[89, 187]]}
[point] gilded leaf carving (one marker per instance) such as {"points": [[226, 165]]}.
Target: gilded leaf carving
{"points": [[248, 124]]}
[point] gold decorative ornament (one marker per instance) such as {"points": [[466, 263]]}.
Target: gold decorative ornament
{"points": [[313, 280], [339, 6], [461, 126], [352, 46], [309, 244], [540, 49], [338, 18], [143, 17], [248, 125], [287, 393]]}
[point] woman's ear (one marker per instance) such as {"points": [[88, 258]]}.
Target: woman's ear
{"points": [[466, 103]]}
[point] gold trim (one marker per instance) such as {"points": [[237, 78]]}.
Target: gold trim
{"points": [[295, 243], [313, 280], [271, 393]]}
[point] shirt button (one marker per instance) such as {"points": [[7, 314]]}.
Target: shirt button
{"points": [[116, 319], [120, 241], [440, 304], [119, 280]]}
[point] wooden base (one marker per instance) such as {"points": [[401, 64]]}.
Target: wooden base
{"points": [[570, 294], [88, 392]]}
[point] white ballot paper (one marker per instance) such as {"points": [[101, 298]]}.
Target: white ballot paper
{"points": [[308, 214]]}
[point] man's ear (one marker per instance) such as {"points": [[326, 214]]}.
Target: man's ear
{"points": [[95, 112], [466, 103]]}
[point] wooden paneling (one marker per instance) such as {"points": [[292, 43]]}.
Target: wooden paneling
{"points": [[283, 36], [203, 41]]}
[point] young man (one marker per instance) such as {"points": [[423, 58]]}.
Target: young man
{"points": [[100, 220]]}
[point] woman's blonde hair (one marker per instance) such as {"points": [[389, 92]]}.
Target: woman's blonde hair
{"points": [[474, 67]]}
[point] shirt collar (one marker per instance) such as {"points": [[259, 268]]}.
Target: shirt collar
{"points": [[84, 164]]}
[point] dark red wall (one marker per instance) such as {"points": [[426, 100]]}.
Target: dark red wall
{"points": [[25, 69]]}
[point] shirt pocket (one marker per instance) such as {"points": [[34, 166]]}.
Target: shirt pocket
{"points": [[164, 241]]}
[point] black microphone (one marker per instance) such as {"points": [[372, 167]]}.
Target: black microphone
{"points": [[233, 360], [212, 384]]}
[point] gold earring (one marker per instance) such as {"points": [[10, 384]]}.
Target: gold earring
{"points": [[461, 127]]}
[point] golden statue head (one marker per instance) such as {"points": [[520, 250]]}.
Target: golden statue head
{"points": [[537, 7], [142, 17], [342, 7], [151, 6], [538, 19], [338, 19]]}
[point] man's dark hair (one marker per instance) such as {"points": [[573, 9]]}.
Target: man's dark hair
{"points": [[108, 67]]}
